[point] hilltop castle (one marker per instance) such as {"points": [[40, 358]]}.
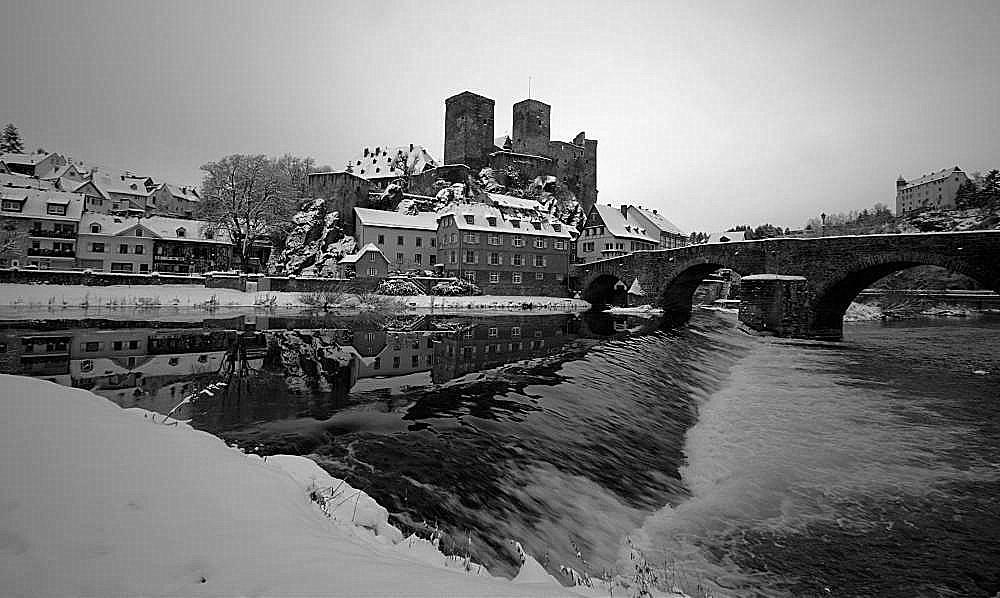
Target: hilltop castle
{"points": [[469, 140]]}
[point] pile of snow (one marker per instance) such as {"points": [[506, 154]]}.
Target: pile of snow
{"points": [[456, 288], [101, 501], [397, 286]]}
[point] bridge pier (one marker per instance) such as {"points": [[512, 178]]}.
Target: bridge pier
{"points": [[776, 305]]}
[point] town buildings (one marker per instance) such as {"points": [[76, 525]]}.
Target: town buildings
{"points": [[38, 165], [409, 242], [504, 255], [611, 232], [41, 227], [934, 190], [657, 225], [369, 262], [382, 165], [155, 244]]}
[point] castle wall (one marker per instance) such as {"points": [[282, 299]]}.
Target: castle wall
{"points": [[343, 192]]}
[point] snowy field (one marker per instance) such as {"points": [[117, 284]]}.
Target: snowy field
{"points": [[101, 501]]}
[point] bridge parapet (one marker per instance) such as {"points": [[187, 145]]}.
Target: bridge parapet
{"points": [[835, 270]]}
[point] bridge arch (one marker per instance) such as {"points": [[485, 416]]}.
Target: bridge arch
{"points": [[834, 295], [605, 289]]}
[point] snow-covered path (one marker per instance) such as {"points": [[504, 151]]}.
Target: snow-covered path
{"points": [[100, 501]]}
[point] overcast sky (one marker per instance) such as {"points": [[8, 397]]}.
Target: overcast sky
{"points": [[717, 113]]}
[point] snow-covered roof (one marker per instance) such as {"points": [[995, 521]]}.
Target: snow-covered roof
{"points": [[727, 236], [930, 178], [387, 219], [636, 289], [109, 225], [182, 192], [23, 181], [35, 203], [539, 224], [509, 201], [619, 225], [655, 219], [122, 185], [23, 159], [353, 259], [383, 161], [193, 230]]}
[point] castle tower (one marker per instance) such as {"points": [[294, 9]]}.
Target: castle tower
{"points": [[589, 191], [468, 130], [900, 183], [531, 130]]}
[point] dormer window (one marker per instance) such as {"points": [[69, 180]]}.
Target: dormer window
{"points": [[209, 234], [515, 223], [138, 231], [537, 225], [557, 227], [10, 205], [470, 219], [95, 228], [55, 209], [181, 232], [491, 220]]}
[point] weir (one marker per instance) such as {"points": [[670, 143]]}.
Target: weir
{"points": [[792, 287]]}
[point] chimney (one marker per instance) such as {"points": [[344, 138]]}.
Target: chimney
{"points": [[624, 210]]}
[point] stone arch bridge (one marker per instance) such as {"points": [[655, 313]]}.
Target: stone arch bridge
{"points": [[790, 287]]}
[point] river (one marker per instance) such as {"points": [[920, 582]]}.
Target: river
{"points": [[736, 465]]}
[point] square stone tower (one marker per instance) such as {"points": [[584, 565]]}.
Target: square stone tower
{"points": [[531, 130], [468, 130]]}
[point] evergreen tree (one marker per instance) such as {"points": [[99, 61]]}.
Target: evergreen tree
{"points": [[965, 197], [11, 142]]}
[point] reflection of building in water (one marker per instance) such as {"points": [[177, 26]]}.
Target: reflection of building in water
{"points": [[28, 352], [494, 341]]}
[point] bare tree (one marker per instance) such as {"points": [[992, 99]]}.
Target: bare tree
{"points": [[252, 196]]}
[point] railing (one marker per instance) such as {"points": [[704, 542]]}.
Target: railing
{"points": [[52, 234], [51, 252]]}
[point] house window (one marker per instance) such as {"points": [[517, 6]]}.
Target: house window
{"points": [[557, 227], [453, 257], [395, 362], [133, 344], [536, 225], [491, 220], [539, 243], [559, 244], [471, 257], [124, 267], [518, 241], [539, 261], [181, 232], [97, 247], [588, 246], [399, 258], [123, 248], [55, 209], [470, 219], [470, 276], [11, 206], [144, 268], [95, 228], [116, 346], [516, 278], [494, 277], [493, 332], [91, 347], [539, 275], [381, 239], [371, 256], [454, 237], [515, 332], [138, 249], [417, 258], [494, 259], [433, 242], [377, 364], [517, 260], [420, 241], [471, 237], [515, 223], [432, 259], [372, 272], [414, 360], [493, 240], [399, 240]]}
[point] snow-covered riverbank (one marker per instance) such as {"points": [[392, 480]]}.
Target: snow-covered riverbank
{"points": [[101, 501], [49, 300]]}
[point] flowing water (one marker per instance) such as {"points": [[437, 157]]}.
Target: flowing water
{"points": [[739, 466]]}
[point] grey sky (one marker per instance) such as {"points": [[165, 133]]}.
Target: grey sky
{"points": [[718, 113]]}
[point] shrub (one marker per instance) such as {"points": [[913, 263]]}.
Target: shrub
{"points": [[455, 288], [398, 287]]}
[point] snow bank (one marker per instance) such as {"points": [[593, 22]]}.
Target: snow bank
{"points": [[101, 501]]}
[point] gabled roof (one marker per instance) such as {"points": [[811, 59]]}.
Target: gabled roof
{"points": [[654, 219], [620, 226], [387, 219], [353, 259], [182, 192], [23, 182], [88, 187], [128, 186], [23, 159], [481, 213], [727, 236], [35, 202], [934, 176]]}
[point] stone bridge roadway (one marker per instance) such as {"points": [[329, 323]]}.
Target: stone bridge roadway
{"points": [[791, 287]]}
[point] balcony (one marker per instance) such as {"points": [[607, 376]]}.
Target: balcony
{"points": [[52, 234], [51, 252]]}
